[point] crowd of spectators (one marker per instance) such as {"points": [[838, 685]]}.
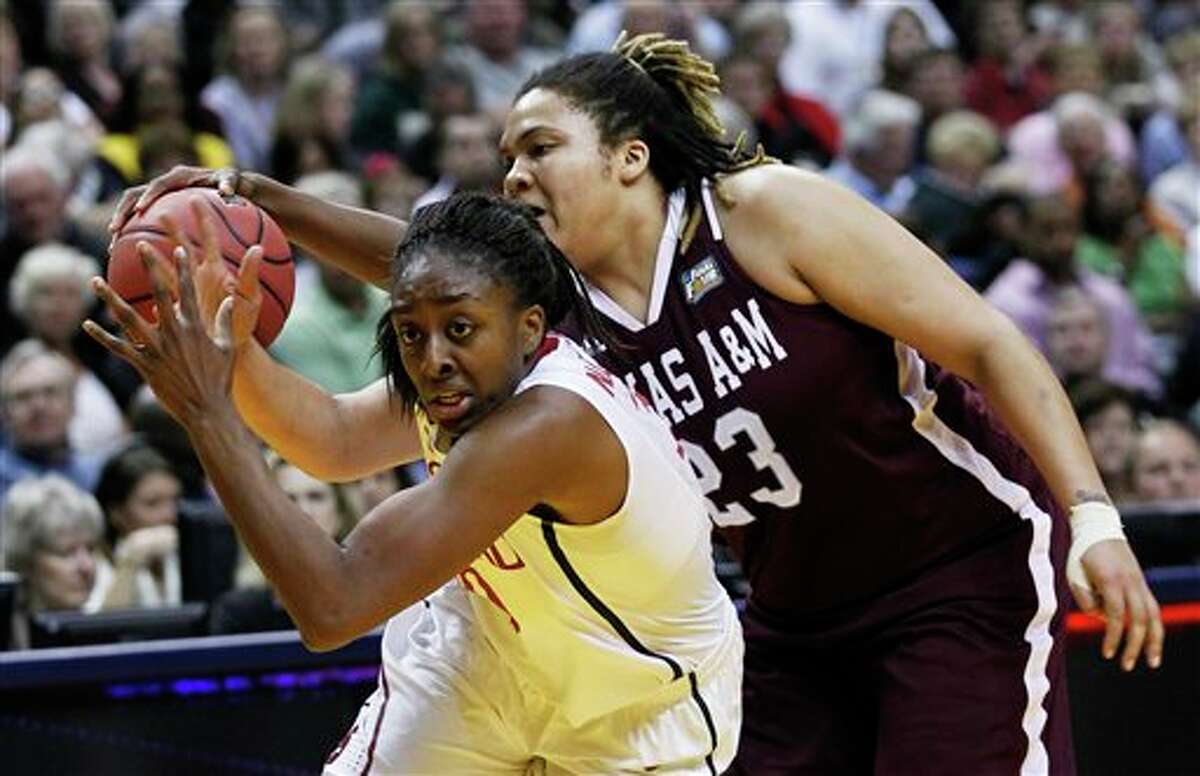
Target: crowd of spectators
{"points": [[1048, 151]]}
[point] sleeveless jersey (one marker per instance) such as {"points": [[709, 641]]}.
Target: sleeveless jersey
{"points": [[605, 616], [839, 460]]}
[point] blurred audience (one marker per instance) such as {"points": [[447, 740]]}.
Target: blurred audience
{"points": [[139, 493], [312, 129], [245, 98], [1108, 415], [467, 159], [1124, 239], [49, 293], [1176, 192], [1166, 463], [878, 153], [34, 190], [391, 92], [1027, 288], [37, 405], [253, 606], [329, 335], [1006, 82], [79, 36], [51, 532], [496, 51]]}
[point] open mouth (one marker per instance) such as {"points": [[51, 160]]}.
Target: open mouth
{"points": [[446, 408]]}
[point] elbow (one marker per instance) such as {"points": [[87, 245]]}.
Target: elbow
{"points": [[316, 640], [1004, 348], [324, 621], [325, 632]]}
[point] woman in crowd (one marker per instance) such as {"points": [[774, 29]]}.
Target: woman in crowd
{"points": [[51, 533], [140, 495]]}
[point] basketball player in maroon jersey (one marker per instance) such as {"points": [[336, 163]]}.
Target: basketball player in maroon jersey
{"points": [[893, 460]]}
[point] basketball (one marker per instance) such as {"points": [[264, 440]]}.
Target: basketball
{"points": [[239, 224]]}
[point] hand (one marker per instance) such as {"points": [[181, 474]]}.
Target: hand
{"points": [[227, 181], [145, 546], [189, 371], [214, 283], [1119, 594]]}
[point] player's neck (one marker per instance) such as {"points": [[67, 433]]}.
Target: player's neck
{"points": [[627, 273]]}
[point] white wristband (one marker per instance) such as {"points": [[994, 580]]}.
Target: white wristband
{"points": [[1091, 522]]}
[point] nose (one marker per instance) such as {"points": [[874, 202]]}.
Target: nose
{"points": [[439, 358], [516, 180], [85, 562]]}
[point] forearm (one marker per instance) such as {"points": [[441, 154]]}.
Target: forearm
{"points": [[270, 397], [1025, 393], [304, 565], [339, 440], [357, 240]]}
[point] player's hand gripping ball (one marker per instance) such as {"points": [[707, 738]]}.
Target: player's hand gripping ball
{"points": [[239, 224]]}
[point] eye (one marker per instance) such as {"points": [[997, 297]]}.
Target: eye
{"points": [[460, 329], [407, 334], [538, 150]]}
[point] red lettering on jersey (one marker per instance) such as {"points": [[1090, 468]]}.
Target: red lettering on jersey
{"points": [[602, 378], [497, 559], [466, 575]]}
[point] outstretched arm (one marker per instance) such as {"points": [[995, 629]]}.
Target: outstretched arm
{"points": [[359, 241], [863, 263]]}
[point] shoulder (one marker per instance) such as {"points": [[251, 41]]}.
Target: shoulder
{"points": [[779, 219], [546, 445]]}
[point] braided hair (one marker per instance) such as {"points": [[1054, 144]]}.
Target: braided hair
{"points": [[502, 240], [653, 88]]}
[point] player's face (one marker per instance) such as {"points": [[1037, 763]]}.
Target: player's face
{"points": [[463, 341], [557, 164], [64, 570]]}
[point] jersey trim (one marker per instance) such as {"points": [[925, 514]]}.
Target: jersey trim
{"points": [[960, 452], [378, 723], [714, 223], [599, 606], [662, 272], [708, 722], [556, 550]]}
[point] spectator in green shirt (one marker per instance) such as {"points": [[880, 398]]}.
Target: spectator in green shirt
{"points": [[330, 335], [1123, 239]]}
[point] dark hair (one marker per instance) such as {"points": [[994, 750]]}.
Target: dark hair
{"points": [[655, 89], [122, 472], [1093, 395], [502, 240], [1095, 220]]}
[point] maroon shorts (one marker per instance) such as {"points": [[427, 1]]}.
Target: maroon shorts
{"points": [[961, 671]]}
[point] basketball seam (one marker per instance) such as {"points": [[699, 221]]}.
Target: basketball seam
{"points": [[233, 231]]}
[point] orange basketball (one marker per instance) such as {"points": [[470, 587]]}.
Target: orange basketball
{"points": [[239, 224]]}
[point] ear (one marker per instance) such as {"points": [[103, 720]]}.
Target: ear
{"points": [[632, 160], [533, 329]]}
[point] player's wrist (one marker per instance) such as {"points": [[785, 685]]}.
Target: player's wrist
{"points": [[1091, 522]]}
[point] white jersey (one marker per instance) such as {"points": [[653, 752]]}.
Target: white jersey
{"points": [[604, 616]]}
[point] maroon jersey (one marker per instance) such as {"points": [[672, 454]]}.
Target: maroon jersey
{"points": [[839, 461]]}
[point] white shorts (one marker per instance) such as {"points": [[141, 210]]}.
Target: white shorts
{"points": [[451, 705]]}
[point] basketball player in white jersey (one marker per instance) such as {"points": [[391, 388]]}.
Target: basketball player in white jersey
{"points": [[586, 631]]}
